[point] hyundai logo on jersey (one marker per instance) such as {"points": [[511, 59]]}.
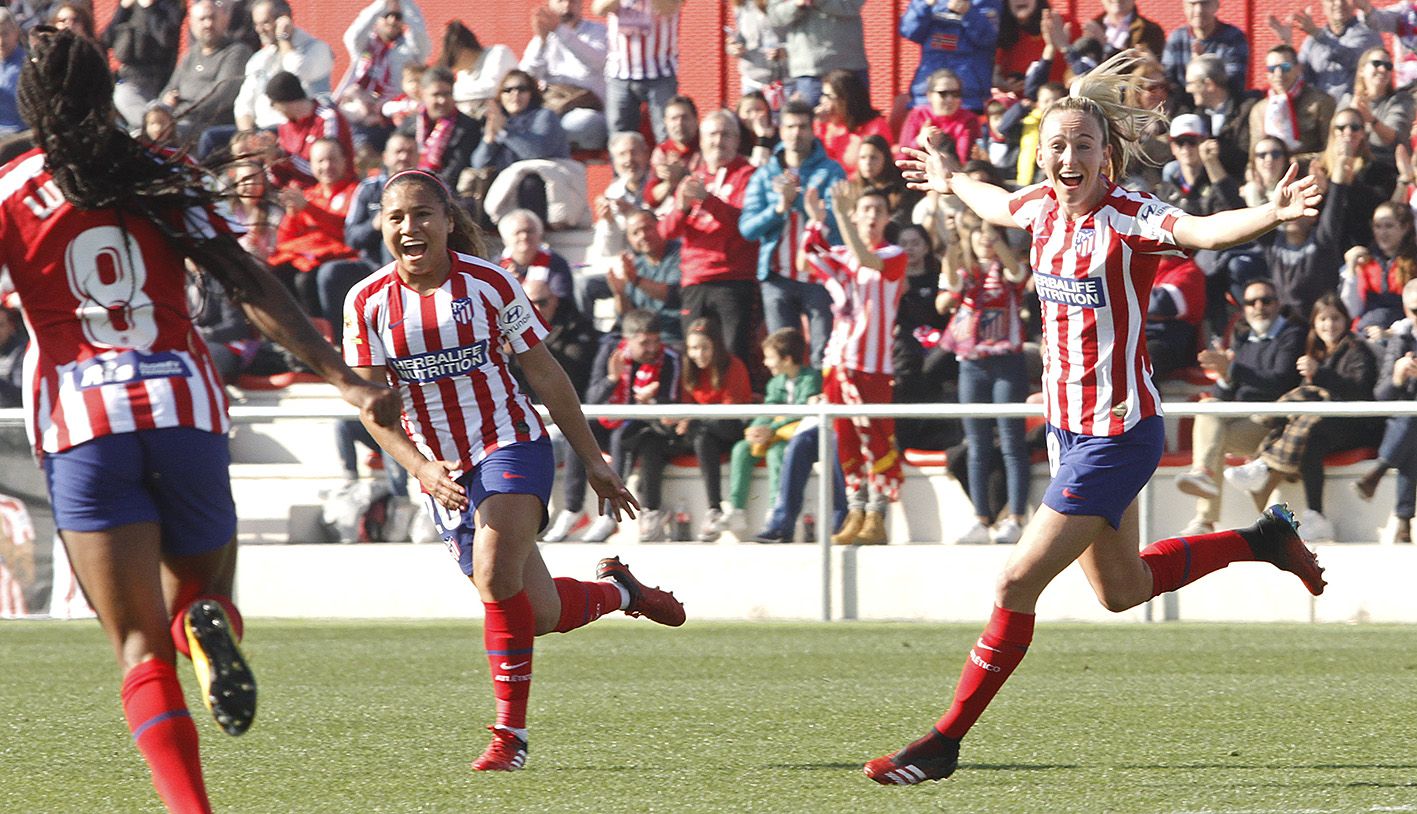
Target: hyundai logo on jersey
{"points": [[423, 368], [1084, 292], [128, 366]]}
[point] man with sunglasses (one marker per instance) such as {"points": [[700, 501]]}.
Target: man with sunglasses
{"points": [[1260, 365], [1329, 56], [1294, 111], [385, 36]]}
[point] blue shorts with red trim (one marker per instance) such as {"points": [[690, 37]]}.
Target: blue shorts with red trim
{"points": [[1100, 476], [177, 477], [524, 468]]}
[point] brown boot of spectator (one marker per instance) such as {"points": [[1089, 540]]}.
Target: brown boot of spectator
{"points": [[873, 530], [1367, 485], [1404, 530], [850, 527]]}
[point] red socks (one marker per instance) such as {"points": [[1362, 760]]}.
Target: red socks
{"points": [[1182, 560], [999, 650], [179, 634], [508, 632], [584, 602], [163, 731]]}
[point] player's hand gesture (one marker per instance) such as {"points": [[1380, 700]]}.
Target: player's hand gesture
{"points": [[615, 497], [927, 170], [436, 478], [1294, 199], [376, 402]]}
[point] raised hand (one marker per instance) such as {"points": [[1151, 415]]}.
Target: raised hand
{"points": [[1296, 199], [925, 170]]}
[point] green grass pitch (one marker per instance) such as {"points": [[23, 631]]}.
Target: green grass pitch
{"points": [[746, 717]]}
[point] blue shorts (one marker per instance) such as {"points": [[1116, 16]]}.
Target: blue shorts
{"points": [[1101, 476], [526, 468], [177, 477]]}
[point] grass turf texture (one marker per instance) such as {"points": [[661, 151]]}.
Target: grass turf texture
{"points": [[760, 717]]}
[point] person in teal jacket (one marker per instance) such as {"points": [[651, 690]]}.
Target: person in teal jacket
{"points": [[773, 216]]}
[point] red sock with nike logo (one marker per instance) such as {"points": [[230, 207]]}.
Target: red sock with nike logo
{"points": [[1182, 560], [992, 659], [584, 602], [508, 631], [164, 733]]}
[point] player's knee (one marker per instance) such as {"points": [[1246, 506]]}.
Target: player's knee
{"points": [[1118, 598], [1017, 588]]}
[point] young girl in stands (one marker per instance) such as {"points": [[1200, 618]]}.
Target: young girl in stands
{"points": [[712, 375], [986, 335]]}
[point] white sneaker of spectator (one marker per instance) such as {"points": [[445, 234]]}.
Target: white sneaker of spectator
{"points": [[600, 530], [714, 524], [1252, 477], [737, 521], [566, 523], [1196, 527], [1315, 528], [1197, 484], [978, 534], [1006, 532]]}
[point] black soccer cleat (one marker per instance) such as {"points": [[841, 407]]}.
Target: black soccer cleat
{"points": [[227, 684], [1274, 539], [904, 769]]}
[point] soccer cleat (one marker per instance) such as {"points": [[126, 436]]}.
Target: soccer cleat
{"points": [[1276, 541], [228, 687], [506, 753], [900, 769], [651, 603]]}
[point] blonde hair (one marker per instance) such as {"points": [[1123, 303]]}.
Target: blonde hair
{"points": [[1102, 93]]}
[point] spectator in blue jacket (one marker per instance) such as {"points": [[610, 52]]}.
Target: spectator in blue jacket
{"points": [[773, 215], [955, 34]]}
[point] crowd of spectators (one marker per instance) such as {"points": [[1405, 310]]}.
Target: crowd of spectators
{"points": [[738, 252]]}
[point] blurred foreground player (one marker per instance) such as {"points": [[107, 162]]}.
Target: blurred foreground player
{"points": [[124, 406], [438, 322], [1095, 251]]}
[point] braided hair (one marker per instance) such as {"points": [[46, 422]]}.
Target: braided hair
{"points": [[66, 96]]}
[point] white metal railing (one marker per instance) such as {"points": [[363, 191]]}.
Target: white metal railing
{"points": [[332, 408]]}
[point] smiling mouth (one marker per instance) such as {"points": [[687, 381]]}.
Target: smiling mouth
{"points": [[413, 249], [1070, 179]]}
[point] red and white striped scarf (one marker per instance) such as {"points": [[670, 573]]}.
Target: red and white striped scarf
{"points": [[1281, 117], [373, 70], [433, 140]]}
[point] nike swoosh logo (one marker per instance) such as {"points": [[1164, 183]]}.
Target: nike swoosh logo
{"points": [[506, 666], [393, 325], [510, 476], [1070, 494]]}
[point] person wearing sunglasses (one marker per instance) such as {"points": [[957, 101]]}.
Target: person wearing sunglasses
{"points": [[1292, 110], [944, 112], [1348, 159], [1210, 97], [385, 36], [517, 129], [1330, 52], [1261, 364], [1386, 111]]}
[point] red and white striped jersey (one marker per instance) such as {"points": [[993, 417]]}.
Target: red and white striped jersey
{"points": [[104, 298], [447, 355], [1093, 277], [643, 44], [864, 302]]}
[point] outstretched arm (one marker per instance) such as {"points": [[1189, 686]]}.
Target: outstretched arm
{"points": [[928, 170], [548, 380], [1293, 200]]}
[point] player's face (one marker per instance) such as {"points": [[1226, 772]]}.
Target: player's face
{"points": [[416, 228], [1073, 151], [871, 216], [1330, 325], [700, 350]]}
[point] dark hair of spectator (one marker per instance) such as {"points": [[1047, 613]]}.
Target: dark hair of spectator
{"points": [[1288, 52], [709, 328], [890, 174], [638, 321], [83, 17], [875, 192], [1316, 346], [990, 172], [787, 343], [796, 107], [1404, 263], [1011, 29], [854, 95], [683, 101], [437, 75], [515, 75], [465, 237], [456, 39]]}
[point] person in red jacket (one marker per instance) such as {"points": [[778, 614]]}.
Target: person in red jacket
{"points": [[311, 256], [1174, 315], [718, 266], [306, 121], [711, 375]]}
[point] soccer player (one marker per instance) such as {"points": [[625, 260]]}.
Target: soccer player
{"points": [[1095, 249], [865, 278], [125, 407], [439, 322]]}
